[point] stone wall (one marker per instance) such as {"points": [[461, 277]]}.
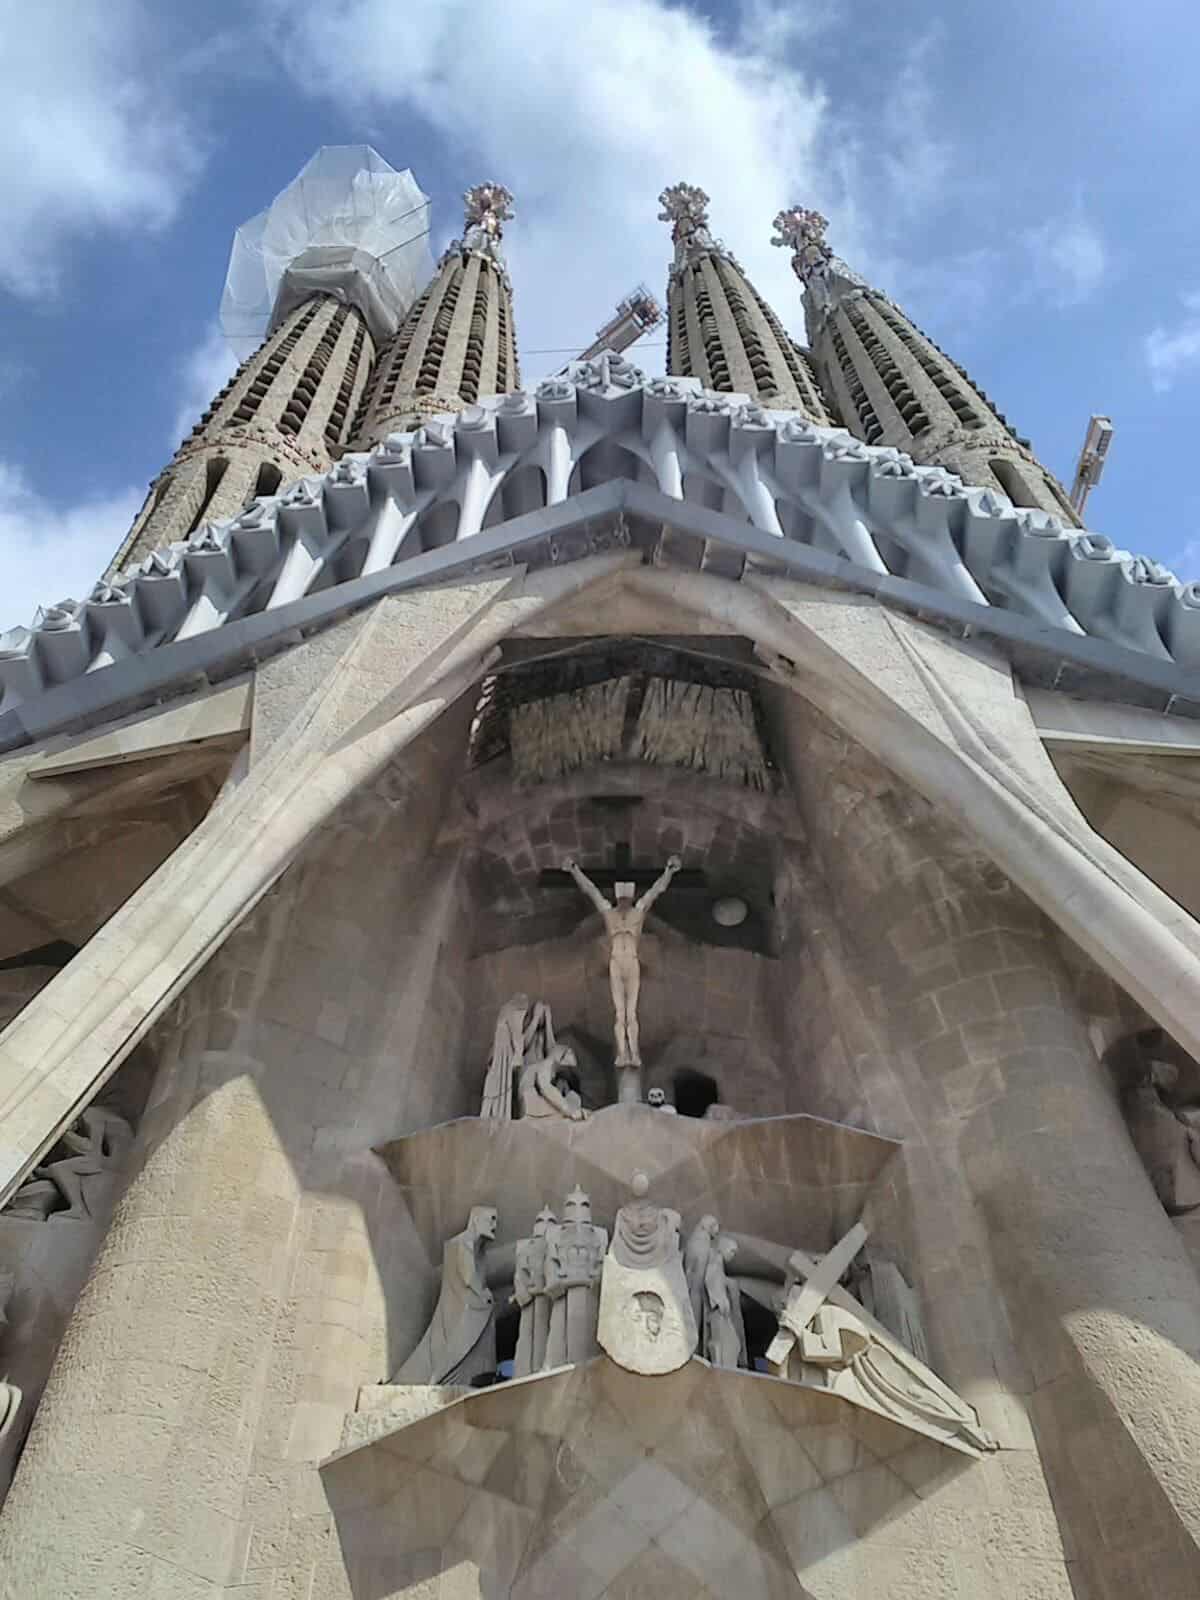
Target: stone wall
{"points": [[49, 1259], [262, 1264], [256, 1273], [1060, 1300]]}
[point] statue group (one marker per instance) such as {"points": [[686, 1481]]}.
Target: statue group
{"points": [[529, 1074], [651, 1302], [651, 1297]]}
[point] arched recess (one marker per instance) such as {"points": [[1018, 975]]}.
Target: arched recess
{"points": [[215, 469], [524, 489], [267, 482]]}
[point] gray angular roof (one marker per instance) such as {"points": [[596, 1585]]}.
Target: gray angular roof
{"points": [[766, 486]]}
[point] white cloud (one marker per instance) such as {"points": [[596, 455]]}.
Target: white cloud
{"points": [[50, 553], [1185, 563], [1173, 352], [1069, 259], [91, 137], [203, 372], [586, 114]]}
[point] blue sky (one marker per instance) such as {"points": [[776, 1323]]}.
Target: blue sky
{"points": [[1022, 178]]}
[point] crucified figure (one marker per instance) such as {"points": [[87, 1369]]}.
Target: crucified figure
{"points": [[623, 924]]}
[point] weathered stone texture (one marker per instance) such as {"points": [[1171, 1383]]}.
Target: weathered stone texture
{"points": [[722, 331], [285, 412], [1057, 1288], [242, 1294], [456, 345], [893, 386], [267, 1261]]}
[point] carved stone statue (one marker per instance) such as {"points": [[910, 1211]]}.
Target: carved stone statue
{"points": [[724, 1339], [623, 922], [98, 1139], [10, 1395], [545, 1089], [828, 1340], [887, 1294], [529, 1293], [524, 1029], [574, 1260], [460, 1341], [695, 1262], [646, 1320], [1166, 1137]]}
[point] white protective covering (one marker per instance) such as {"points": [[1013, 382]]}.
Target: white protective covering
{"points": [[362, 229]]}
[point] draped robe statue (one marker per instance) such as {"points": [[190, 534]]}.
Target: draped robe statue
{"points": [[10, 1395], [574, 1259], [524, 1031], [1165, 1137], [460, 1341], [695, 1262], [545, 1090], [827, 1340], [646, 1320], [529, 1293], [724, 1330], [886, 1293]]}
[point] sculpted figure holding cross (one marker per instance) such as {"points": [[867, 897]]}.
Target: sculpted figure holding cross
{"points": [[623, 922]]}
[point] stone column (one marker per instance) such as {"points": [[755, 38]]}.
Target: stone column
{"points": [[1024, 1193], [257, 1270], [136, 1462]]}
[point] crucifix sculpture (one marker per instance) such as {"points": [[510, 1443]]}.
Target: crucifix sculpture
{"points": [[624, 919]]}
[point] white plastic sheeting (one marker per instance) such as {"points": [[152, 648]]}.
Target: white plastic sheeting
{"points": [[355, 220]]}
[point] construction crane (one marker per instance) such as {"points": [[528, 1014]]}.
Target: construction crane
{"points": [[1091, 461], [638, 312]]}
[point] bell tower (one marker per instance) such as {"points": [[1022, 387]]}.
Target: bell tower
{"points": [[457, 345], [894, 386], [720, 329], [316, 283]]}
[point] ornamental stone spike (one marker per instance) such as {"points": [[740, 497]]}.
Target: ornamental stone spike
{"points": [[685, 207], [803, 232], [488, 207]]}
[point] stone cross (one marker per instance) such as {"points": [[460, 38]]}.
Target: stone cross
{"points": [[821, 1276], [623, 871]]}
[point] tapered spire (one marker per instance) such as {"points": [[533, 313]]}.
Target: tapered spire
{"points": [[720, 329], [316, 281], [894, 386], [457, 344], [285, 413]]}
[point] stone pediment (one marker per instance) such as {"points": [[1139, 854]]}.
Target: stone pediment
{"points": [[765, 1177], [591, 1481]]}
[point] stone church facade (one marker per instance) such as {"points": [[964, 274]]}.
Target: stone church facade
{"points": [[600, 986]]}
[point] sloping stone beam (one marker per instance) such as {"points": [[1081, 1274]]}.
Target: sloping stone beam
{"points": [[404, 662], [966, 742]]}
